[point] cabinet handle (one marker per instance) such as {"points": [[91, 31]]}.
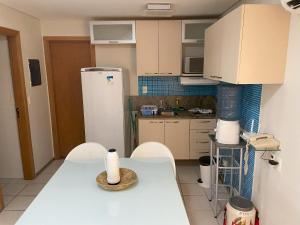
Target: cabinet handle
{"points": [[156, 122], [113, 42], [167, 73], [202, 142], [172, 121], [203, 132], [205, 121], [217, 77]]}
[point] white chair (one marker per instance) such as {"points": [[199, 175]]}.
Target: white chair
{"points": [[153, 150], [86, 151]]}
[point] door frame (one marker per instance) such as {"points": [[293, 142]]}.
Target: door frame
{"points": [[19, 89], [47, 42]]}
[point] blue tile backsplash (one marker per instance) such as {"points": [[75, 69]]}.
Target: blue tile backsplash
{"points": [[250, 110], [170, 86]]}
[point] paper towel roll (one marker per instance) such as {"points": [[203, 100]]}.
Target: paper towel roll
{"points": [[228, 132]]}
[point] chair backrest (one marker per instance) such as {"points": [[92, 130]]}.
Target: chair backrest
{"points": [[86, 151], [153, 150]]}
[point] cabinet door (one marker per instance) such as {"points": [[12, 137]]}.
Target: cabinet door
{"points": [[193, 30], [177, 138], [169, 47], [151, 130], [147, 47], [1, 200], [212, 48], [112, 32], [230, 45]]}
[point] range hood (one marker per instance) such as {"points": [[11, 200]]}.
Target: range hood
{"points": [[196, 80]]}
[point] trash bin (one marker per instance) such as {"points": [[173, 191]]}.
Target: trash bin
{"points": [[240, 210], [204, 162]]}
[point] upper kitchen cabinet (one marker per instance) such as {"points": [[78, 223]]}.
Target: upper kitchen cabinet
{"points": [[158, 47], [112, 32], [169, 47], [193, 30], [248, 46], [147, 47]]}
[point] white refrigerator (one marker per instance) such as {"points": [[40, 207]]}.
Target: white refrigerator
{"points": [[105, 93]]}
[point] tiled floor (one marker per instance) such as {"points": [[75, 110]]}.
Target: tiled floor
{"points": [[198, 207], [18, 194]]}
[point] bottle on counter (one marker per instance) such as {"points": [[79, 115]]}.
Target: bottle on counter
{"points": [[112, 167]]}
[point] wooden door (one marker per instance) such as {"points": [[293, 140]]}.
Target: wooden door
{"points": [[212, 49], [20, 97], [170, 47], [177, 138], [151, 130], [65, 59], [1, 200], [147, 47]]}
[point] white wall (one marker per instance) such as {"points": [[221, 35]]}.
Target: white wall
{"points": [[39, 115], [10, 156], [277, 193], [106, 55]]}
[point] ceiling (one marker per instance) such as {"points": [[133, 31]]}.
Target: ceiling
{"points": [[87, 9]]}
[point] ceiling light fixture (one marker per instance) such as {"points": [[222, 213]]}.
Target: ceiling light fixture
{"points": [[158, 10]]}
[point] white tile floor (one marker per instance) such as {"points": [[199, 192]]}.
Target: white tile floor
{"points": [[198, 207], [18, 194]]}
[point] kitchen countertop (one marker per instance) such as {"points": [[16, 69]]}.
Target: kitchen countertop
{"points": [[180, 115]]}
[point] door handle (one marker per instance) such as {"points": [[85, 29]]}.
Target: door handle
{"points": [[18, 112]]}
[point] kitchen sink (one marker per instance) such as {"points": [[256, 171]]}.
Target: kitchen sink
{"points": [[168, 113]]}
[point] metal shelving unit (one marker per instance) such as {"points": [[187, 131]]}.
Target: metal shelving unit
{"points": [[227, 160]]}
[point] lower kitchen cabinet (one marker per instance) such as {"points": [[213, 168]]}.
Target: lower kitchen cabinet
{"points": [[177, 137], [186, 138], [199, 140], [151, 130]]}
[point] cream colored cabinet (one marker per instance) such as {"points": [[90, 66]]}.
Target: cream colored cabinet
{"points": [[151, 130], [186, 138], [199, 140], [169, 47], [212, 48], [147, 47], [252, 45], [158, 47], [177, 137]]}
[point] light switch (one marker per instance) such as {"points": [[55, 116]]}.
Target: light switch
{"points": [[145, 89]]}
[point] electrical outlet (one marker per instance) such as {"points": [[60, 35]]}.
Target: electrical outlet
{"points": [[145, 90]]}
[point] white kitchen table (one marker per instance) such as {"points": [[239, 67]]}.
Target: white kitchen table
{"points": [[72, 197]]}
